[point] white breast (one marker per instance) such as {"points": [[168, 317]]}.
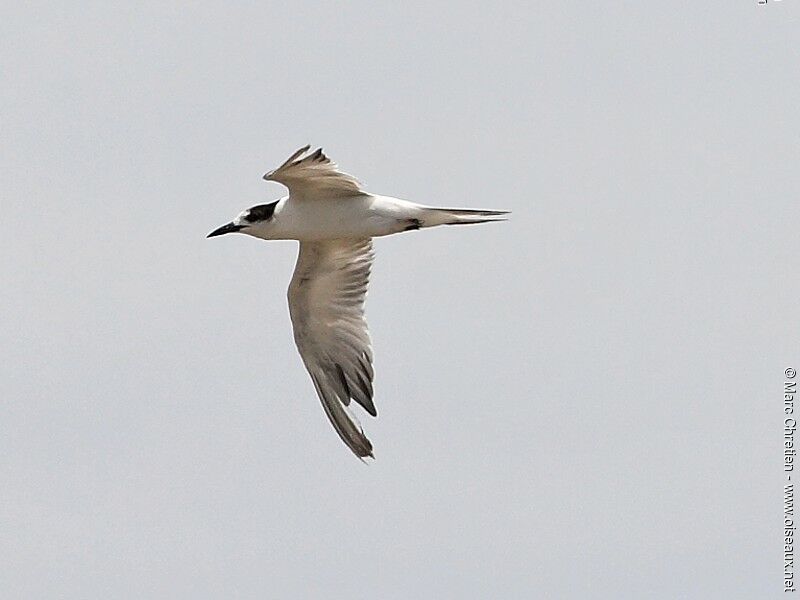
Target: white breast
{"points": [[360, 216]]}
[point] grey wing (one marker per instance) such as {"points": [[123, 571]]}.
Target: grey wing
{"points": [[326, 304], [314, 176]]}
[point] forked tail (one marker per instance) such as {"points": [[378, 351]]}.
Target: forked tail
{"points": [[460, 216]]}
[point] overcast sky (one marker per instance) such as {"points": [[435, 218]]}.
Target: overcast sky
{"points": [[583, 402]]}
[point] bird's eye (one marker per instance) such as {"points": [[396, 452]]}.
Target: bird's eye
{"points": [[262, 212]]}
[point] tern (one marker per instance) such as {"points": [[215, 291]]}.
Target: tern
{"points": [[334, 220]]}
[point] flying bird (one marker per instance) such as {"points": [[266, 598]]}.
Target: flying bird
{"points": [[335, 219]]}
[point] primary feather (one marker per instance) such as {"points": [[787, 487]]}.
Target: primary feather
{"points": [[314, 175]]}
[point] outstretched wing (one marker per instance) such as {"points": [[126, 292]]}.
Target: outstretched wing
{"points": [[326, 304], [314, 176]]}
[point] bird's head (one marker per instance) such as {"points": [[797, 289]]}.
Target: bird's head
{"points": [[254, 221]]}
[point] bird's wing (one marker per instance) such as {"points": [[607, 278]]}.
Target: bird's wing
{"points": [[326, 303], [314, 176]]}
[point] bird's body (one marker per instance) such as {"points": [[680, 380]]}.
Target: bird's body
{"points": [[335, 221], [355, 216]]}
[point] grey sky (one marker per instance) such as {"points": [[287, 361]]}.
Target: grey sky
{"points": [[582, 402]]}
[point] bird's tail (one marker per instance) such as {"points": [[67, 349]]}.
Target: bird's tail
{"points": [[460, 216]]}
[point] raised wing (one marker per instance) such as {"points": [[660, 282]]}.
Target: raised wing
{"points": [[326, 303], [314, 176]]}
